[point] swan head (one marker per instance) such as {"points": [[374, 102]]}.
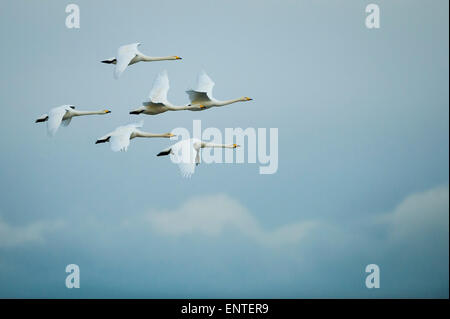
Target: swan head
{"points": [[176, 57], [246, 98], [236, 146], [106, 111]]}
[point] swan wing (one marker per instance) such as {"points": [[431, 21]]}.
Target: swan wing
{"points": [[55, 117], [149, 103], [120, 138], [124, 56], [184, 154], [66, 122], [136, 125], [160, 88], [119, 142], [203, 91], [187, 169], [204, 83], [197, 97]]}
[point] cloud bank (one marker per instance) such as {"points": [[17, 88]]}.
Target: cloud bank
{"points": [[225, 251], [11, 235], [421, 214], [211, 215]]}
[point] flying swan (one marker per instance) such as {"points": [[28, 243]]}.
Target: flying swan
{"points": [[157, 102], [129, 54], [202, 99], [63, 115], [121, 136], [186, 154]]}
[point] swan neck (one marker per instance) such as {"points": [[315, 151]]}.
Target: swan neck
{"points": [[226, 102], [214, 145], [178, 108], [79, 113], [163, 58], [145, 134]]}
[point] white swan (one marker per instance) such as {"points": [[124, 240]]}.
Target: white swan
{"points": [[129, 54], [157, 102], [186, 154], [63, 115], [121, 136], [201, 98]]}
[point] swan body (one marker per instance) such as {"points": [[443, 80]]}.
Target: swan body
{"points": [[63, 115], [121, 136], [129, 54], [157, 102], [186, 154], [202, 99]]}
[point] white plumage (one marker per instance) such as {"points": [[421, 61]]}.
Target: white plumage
{"points": [[186, 154], [119, 139], [129, 54], [63, 115], [202, 98], [158, 93], [157, 101]]}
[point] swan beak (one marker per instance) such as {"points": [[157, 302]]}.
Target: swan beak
{"points": [[235, 146], [248, 99], [178, 58], [107, 111]]}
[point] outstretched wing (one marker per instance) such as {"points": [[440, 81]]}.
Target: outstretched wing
{"points": [[203, 90], [137, 124], [204, 83], [160, 88], [119, 142], [124, 56], [66, 122], [197, 97], [187, 169], [184, 154], [120, 138], [55, 117]]}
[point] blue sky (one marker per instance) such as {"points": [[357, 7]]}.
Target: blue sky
{"points": [[363, 172]]}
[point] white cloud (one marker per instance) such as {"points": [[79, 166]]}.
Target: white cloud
{"points": [[11, 235], [420, 214], [211, 215]]}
